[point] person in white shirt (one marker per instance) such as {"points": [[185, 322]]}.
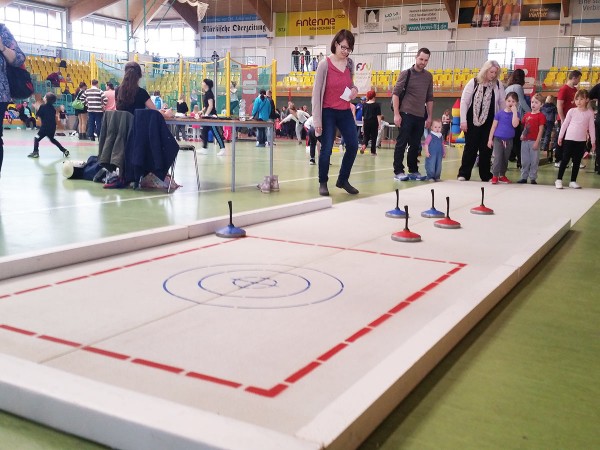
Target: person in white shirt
{"points": [[299, 117], [382, 131]]}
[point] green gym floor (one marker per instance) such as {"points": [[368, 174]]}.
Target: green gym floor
{"points": [[525, 377]]}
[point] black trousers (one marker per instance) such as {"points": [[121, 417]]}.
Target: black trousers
{"points": [[573, 150], [41, 134], [476, 139], [370, 129], [411, 130]]}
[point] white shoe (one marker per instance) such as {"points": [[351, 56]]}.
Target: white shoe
{"points": [[582, 166], [461, 179], [558, 184], [221, 153], [308, 150], [202, 151], [557, 165], [574, 185]]}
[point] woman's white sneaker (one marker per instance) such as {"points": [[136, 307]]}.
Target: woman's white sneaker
{"points": [[574, 185], [558, 184]]}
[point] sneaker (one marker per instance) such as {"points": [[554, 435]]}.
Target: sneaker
{"points": [[66, 153], [312, 161], [416, 176], [522, 181], [401, 176], [582, 166], [115, 184], [257, 144], [221, 153], [504, 180], [557, 165], [494, 180], [558, 184], [461, 179], [533, 182], [274, 183], [574, 185], [34, 155], [202, 151]]}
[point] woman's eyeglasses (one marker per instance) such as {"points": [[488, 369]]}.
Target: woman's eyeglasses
{"points": [[345, 49]]}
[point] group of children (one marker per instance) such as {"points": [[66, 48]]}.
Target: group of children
{"points": [[573, 135]]}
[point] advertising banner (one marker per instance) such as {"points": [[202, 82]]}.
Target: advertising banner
{"points": [[363, 68], [530, 67], [310, 23], [249, 89], [236, 27], [402, 19], [508, 13], [585, 11]]}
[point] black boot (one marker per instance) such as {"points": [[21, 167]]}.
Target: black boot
{"points": [[323, 190], [345, 185]]}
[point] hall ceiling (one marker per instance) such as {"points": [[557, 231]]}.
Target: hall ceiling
{"points": [[172, 9]]}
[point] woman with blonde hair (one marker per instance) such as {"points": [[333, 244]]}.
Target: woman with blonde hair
{"points": [[481, 98]]}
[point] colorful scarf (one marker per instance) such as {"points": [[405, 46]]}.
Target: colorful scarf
{"points": [[481, 103]]}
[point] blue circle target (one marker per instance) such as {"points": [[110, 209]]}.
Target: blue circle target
{"points": [[253, 286]]}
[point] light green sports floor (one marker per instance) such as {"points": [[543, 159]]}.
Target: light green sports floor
{"points": [[525, 377]]}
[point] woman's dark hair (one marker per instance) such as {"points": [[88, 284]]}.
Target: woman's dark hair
{"points": [[110, 85], [340, 37], [128, 88], [517, 77], [208, 82]]}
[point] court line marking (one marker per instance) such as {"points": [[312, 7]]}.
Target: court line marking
{"points": [[269, 392]]}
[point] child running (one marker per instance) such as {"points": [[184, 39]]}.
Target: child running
{"points": [[578, 123], [534, 123], [501, 137], [434, 150], [47, 115]]}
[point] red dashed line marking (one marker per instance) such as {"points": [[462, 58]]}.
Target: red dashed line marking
{"points": [[273, 392], [37, 288], [18, 330], [265, 392], [70, 280], [302, 372], [201, 376], [155, 365], [59, 341], [107, 353], [380, 320], [334, 351], [104, 272]]}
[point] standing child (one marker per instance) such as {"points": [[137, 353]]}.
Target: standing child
{"points": [[550, 112], [62, 116], [434, 151], [574, 130], [446, 121], [501, 137], [533, 129], [47, 115], [196, 129]]}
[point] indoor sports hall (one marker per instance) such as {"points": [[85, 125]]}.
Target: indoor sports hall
{"points": [[126, 322]]}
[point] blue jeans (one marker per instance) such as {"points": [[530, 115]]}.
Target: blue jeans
{"points": [[343, 121], [411, 130], [94, 123]]}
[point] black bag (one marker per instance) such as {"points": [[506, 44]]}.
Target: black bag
{"points": [[19, 81]]}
